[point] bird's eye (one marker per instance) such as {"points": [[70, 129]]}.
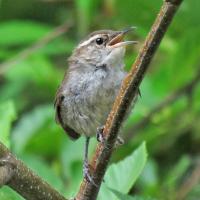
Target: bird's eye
{"points": [[99, 41]]}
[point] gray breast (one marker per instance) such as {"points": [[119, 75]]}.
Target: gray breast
{"points": [[89, 98]]}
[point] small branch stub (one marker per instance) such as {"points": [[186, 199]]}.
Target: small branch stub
{"points": [[6, 170]]}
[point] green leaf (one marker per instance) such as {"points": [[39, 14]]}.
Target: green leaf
{"points": [[38, 69], [148, 181], [122, 175], [7, 115], [176, 173], [36, 72], [6, 193], [122, 196], [29, 125], [21, 32], [41, 134]]}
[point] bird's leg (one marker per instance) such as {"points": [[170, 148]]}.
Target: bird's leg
{"points": [[86, 167], [101, 137]]}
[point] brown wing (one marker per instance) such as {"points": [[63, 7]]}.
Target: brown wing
{"points": [[57, 104]]}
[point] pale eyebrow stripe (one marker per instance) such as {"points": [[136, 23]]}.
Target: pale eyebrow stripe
{"points": [[88, 41]]}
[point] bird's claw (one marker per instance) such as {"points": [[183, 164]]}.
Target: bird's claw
{"points": [[101, 137], [99, 134]]}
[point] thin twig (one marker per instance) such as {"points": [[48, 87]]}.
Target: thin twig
{"points": [[128, 91], [184, 90], [30, 50], [23, 180]]}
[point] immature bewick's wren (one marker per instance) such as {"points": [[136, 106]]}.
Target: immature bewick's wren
{"points": [[89, 87]]}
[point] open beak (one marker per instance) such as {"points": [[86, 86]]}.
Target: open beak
{"points": [[117, 40]]}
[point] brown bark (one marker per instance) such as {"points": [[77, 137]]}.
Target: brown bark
{"points": [[23, 180]]}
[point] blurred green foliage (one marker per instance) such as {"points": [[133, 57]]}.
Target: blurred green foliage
{"points": [[28, 85]]}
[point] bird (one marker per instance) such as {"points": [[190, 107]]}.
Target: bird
{"points": [[90, 85]]}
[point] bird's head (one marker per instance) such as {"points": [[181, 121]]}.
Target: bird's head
{"points": [[101, 47]]}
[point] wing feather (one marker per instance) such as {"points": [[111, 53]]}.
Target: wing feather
{"points": [[57, 105]]}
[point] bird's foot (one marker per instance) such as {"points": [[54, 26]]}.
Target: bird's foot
{"points": [[87, 173], [101, 137], [99, 134]]}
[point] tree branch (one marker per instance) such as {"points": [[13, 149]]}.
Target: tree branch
{"points": [[184, 90], [23, 180], [128, 91]]}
